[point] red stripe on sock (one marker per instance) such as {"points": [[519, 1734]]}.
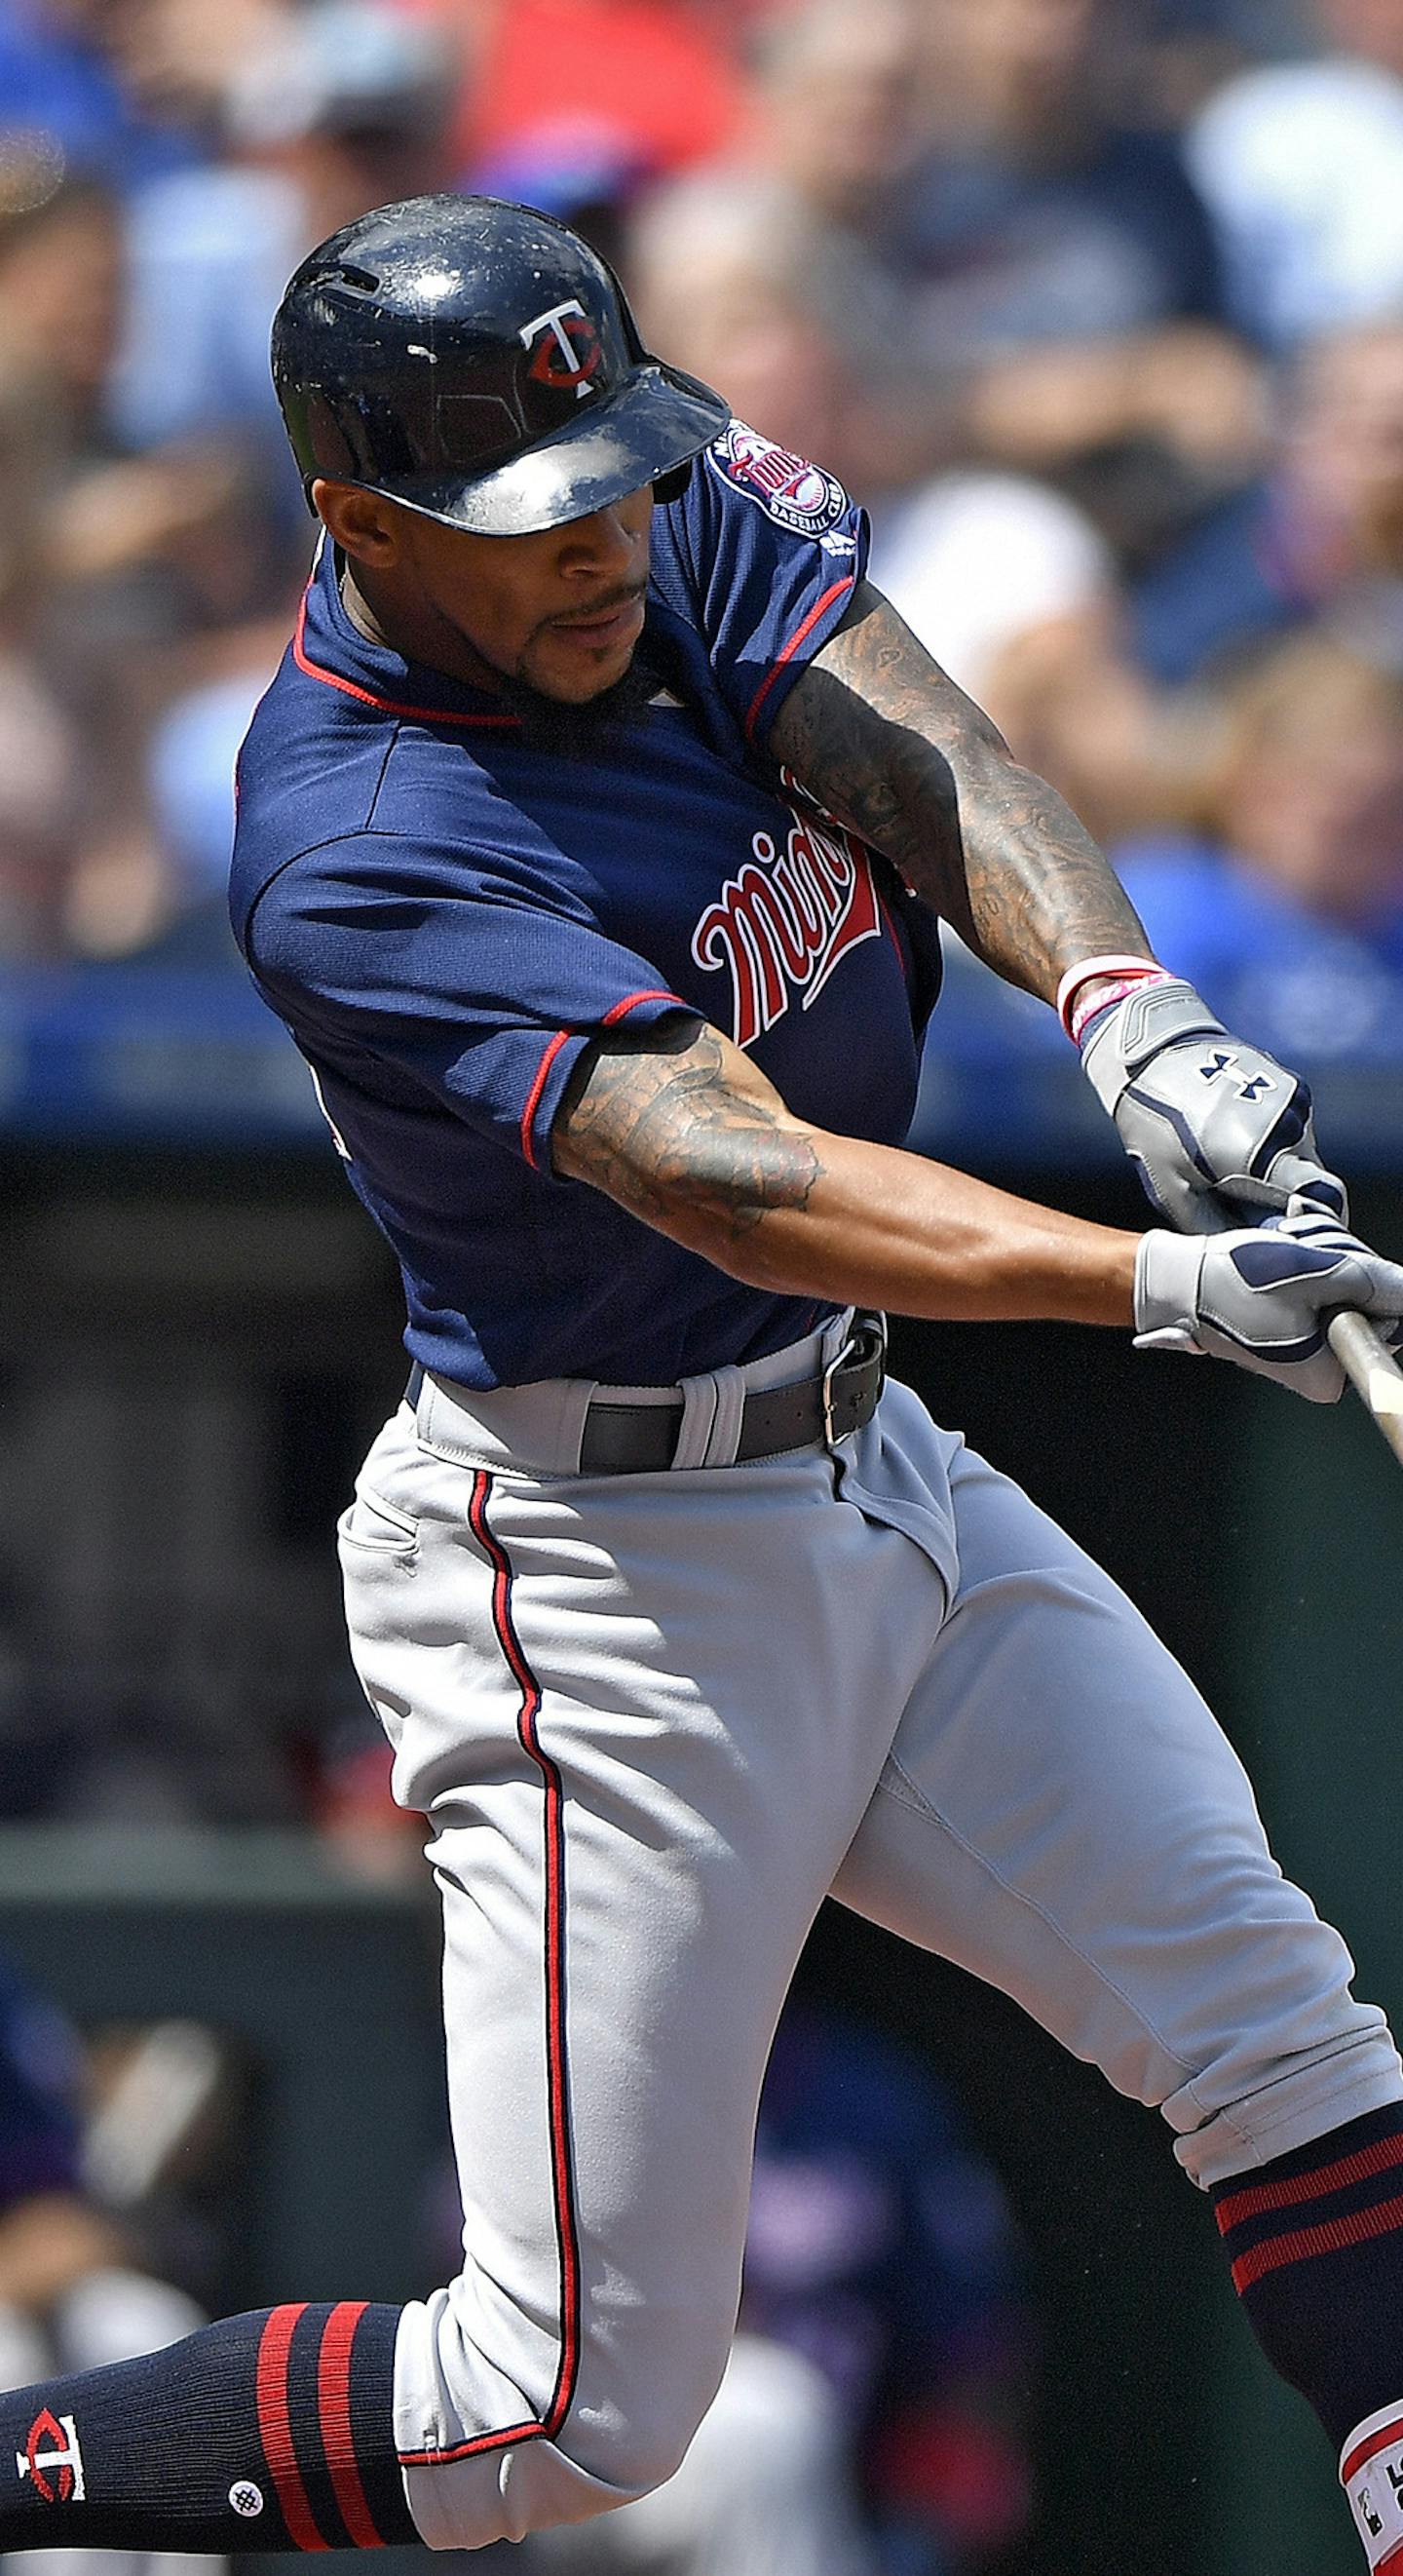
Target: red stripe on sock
{"points": [[275, 2426], [1329, 2238], [1258, 2198], [334, 2408], [1370, 2449]]}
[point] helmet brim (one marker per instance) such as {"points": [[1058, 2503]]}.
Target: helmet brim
{"points": [[657, 420]]}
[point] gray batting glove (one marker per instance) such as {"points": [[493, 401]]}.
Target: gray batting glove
{"points": [[1264, 1296], [1215, 1129]]}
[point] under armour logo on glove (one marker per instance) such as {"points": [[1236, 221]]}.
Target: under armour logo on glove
{"points": [[1216, 1130], [1263, 1297], [1251, 1089]]}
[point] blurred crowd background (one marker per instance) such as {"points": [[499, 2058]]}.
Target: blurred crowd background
{"points": [[1097, 304]]}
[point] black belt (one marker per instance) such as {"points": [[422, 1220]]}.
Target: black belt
{"points": [[631, 1439]]}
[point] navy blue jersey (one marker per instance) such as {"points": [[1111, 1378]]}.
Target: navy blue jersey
{"points": [[445, 914]]}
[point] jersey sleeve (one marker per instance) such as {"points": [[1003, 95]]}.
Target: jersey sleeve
{"points": [[770, 548], [467, 980]]}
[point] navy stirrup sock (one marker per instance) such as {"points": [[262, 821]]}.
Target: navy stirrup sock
{"points": [[268, 2431], [1315, 2240]]}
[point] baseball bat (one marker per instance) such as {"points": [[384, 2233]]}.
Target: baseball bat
{"points": [[1374, 1373]]}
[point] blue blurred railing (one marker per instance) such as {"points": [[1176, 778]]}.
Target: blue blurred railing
{"points": [[167, 1056]]}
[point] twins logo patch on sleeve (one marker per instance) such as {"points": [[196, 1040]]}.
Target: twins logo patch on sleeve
{"points": [[794, 493]]}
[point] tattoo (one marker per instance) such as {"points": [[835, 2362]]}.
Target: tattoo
{"points": [[876, 731], [672, 1137]]}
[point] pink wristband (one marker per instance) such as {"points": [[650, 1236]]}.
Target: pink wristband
{"points": [[1120, 974]]}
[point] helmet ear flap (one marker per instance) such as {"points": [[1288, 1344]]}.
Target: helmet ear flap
{"points": [[670, 487]]}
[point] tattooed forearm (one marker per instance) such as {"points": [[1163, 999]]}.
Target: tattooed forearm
{"points": [[678, 1142], [877, 732]]}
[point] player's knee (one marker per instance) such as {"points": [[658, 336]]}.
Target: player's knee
{"points": [[638, 2399], [636, 2439]]}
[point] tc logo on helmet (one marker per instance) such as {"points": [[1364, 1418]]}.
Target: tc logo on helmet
{"points": [[52, 2445], [569, 351]]}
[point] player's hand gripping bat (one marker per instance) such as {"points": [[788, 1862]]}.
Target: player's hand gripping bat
{"points": [[1220, 1132]]}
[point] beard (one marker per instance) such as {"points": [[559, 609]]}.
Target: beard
{"points": [[576, 731]]}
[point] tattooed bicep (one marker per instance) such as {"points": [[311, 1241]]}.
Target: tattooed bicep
{"points": [[689, 1137], [880, 734]]}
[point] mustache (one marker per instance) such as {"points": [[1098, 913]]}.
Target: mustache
{"points": [[621, 596]]}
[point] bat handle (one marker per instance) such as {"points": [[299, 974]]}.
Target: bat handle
{"points": [[1373, 1371]]}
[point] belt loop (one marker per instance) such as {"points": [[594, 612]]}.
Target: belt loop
{"points": [[696, 1430], [724, 1442]]}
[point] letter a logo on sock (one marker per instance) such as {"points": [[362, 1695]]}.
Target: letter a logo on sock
{"points": [[53, 2446]]}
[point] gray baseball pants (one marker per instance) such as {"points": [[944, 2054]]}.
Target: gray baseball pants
{"points": [[653, 1720]]}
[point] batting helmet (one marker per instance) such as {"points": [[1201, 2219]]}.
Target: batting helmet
{"points": [[478, 362]]}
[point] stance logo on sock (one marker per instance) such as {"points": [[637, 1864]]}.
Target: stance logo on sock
{"points": [[53, 2445], [246, 2498], [1371, 2473]]}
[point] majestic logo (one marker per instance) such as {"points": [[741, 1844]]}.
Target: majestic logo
{"points": [[794, 493], [782, 923], [52, 2458], [569, 351]]}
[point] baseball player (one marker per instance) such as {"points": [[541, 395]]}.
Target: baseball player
{"points": [[592, 840]]}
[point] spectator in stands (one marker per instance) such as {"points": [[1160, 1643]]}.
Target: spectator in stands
{"points": [[121, 571], [1058, 254], [1323, 531], [1289, 900], [1301, 165], [110, 518], [1003, 578], [733, 277], [841, 110], [58, 82], [646, 84], [71, 2295], [41, 772], [342, 106]]}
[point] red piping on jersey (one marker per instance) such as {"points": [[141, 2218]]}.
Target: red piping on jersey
{"points": [[1259, 2198], [1328, 2238], [275, 2426], [533, 1097], [557, 2073], [789, 650], [334, 2412], [1370, 2449], [367, 697]]}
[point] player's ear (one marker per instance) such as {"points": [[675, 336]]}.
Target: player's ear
{"points": [[364, 524]]}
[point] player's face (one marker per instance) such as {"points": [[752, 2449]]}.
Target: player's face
{"points": [[560, 610]]}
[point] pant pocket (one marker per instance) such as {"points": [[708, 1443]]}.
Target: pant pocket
{"points": [[373, 1523]]}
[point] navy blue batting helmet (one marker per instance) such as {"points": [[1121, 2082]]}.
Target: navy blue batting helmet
{"points": [[478, 362]]}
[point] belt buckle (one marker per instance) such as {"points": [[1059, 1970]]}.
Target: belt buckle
{"points": [[831, 1435], [863, 1331]]}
